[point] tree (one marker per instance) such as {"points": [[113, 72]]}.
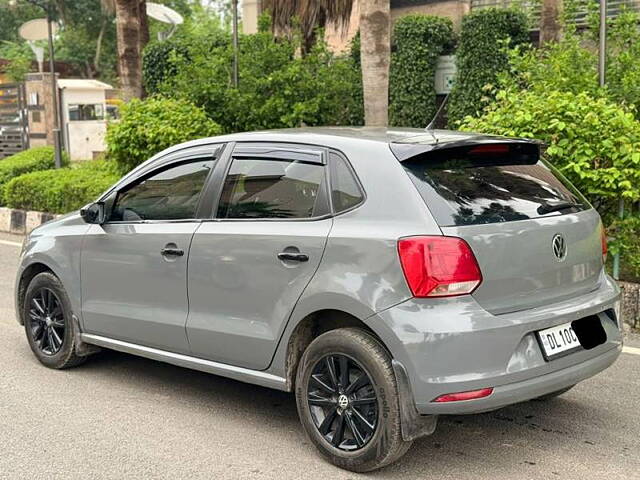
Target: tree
{"points": [[550, 25], [375, 45], [133, 34]]}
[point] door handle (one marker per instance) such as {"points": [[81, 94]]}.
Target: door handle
{"points": [[293, 257], [172, 252]]}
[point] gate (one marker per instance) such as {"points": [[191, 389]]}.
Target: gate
{"points": [[13, 119]]}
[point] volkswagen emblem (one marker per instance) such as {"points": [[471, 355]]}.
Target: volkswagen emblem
{"points": [[559, 246]]}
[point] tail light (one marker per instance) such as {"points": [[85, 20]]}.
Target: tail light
{"points": [[603, 240], [460, 396], [438, 266]]}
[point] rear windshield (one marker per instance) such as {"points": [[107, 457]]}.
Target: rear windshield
{"points": [[491, 183]]}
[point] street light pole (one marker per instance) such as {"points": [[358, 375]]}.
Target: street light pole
{"points": [[57, 144], [235, 42]]}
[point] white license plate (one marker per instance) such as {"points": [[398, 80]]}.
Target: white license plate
{"points": [[558, 339]]}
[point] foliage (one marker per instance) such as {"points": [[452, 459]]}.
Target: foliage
{"points": [[158, 64], [147, 127], [594, 142], [418, 41], [12, 16], [19, 58], [625, 241], [62, 190], [481, 56], [277, 87], [34, 159]]}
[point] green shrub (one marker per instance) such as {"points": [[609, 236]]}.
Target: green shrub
{"points": [[481, 56], [62, 190], [32, 160], [418, 41], [157, 63], [147, 127], [594, 142], [277, 88]]}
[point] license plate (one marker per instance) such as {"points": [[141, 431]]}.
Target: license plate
{"points": [[558, 340]]}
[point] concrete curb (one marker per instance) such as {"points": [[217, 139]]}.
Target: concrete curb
{"points": [[21, 222]]}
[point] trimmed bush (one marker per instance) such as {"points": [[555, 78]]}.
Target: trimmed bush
{"points": [[157, 63], [481, 56], [62, 190], [147, 127], [32, 160], [418, 41]]}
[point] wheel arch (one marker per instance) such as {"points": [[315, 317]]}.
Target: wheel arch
{"points": [[313, 325], [28, 274]]}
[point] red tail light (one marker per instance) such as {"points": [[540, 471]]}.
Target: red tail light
{"points": [[472, 395], [438, 266], [603, 237]]}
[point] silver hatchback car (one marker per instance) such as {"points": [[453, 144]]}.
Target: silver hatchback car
{"points": [[385, 276]]}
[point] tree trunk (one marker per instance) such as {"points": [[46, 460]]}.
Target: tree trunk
{"points": [[550, 26], [133, 34], [375, 52], [143, 38]]}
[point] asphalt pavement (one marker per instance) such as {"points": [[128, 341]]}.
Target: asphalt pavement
{"points": [[119, 416]]}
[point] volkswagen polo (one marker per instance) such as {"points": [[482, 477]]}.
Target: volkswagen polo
{"points": [[385, 276]]}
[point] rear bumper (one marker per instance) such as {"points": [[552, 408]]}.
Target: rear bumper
{"points": [[454, 345]]}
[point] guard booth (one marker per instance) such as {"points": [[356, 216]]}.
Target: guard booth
{"points": [[84, 116]]}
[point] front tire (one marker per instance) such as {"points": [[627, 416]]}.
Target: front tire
{"points": [[47, 322], [347, 400]]}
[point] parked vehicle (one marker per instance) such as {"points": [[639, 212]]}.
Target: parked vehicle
{"points": [[385, 277]]}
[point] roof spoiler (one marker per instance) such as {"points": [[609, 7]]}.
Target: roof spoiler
{"points": [[407, 149]]}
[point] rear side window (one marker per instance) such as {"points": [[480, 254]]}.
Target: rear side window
{"points": [[345, 190], [271, 188], [491, 183]]}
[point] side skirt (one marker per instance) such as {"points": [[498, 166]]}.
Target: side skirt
{"points": [[237, 373]]}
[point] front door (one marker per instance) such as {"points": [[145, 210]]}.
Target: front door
{"points": [[249, 265], [134, 267]]}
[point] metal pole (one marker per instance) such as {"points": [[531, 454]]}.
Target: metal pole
{"points": [[616, 257], [602, 54], [57, 144], [235, 42]]}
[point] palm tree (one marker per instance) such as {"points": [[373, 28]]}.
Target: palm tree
{"points": [[375, 35], [550, 25], [132, 33]]}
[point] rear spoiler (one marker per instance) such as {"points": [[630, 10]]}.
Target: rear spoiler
{"points": [[407, 149]]}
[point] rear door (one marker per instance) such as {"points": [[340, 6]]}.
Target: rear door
{"points": [[537, 240], [249, 265]]}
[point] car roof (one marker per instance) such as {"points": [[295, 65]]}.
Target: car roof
{"points": [[404, 142]]}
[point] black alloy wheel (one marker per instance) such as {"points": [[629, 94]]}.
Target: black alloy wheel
{"points": [[47, 321], [343, 402]]}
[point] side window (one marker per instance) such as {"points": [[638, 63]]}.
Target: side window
{"points": [[271, 188], [171, 194], [345, 190]]}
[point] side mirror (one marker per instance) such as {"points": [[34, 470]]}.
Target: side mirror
{"points": [[93, 213]]}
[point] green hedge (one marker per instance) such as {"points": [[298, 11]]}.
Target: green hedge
{"points": [[32, 160], [418, 41], [481, 57], [62, 190], [148, 126]]}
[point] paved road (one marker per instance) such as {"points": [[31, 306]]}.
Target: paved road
{"points": [[120, 416]]}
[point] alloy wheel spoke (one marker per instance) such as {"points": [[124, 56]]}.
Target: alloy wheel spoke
{"points": [[357, 402], [328, 420], [321, 401], [331, 368], [365, 423], [354, 430], [338, 435], [56, 338], [322, 385], [36, 331], [57, 311], [358, 383], [49, 301], [38, 306], [344, 371]]}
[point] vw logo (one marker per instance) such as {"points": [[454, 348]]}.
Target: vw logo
{"points": [[559, 246], [343, 401]]}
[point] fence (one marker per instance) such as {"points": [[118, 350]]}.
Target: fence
{"points": [[13, 119]]}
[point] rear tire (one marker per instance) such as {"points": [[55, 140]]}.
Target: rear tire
{"points": [[555, 394], [354, 424], [47, 322]]}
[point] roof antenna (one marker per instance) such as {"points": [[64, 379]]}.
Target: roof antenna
{"points": [[432, 123]]}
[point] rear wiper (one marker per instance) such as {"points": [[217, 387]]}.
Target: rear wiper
{"points": [[556, 207]]}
